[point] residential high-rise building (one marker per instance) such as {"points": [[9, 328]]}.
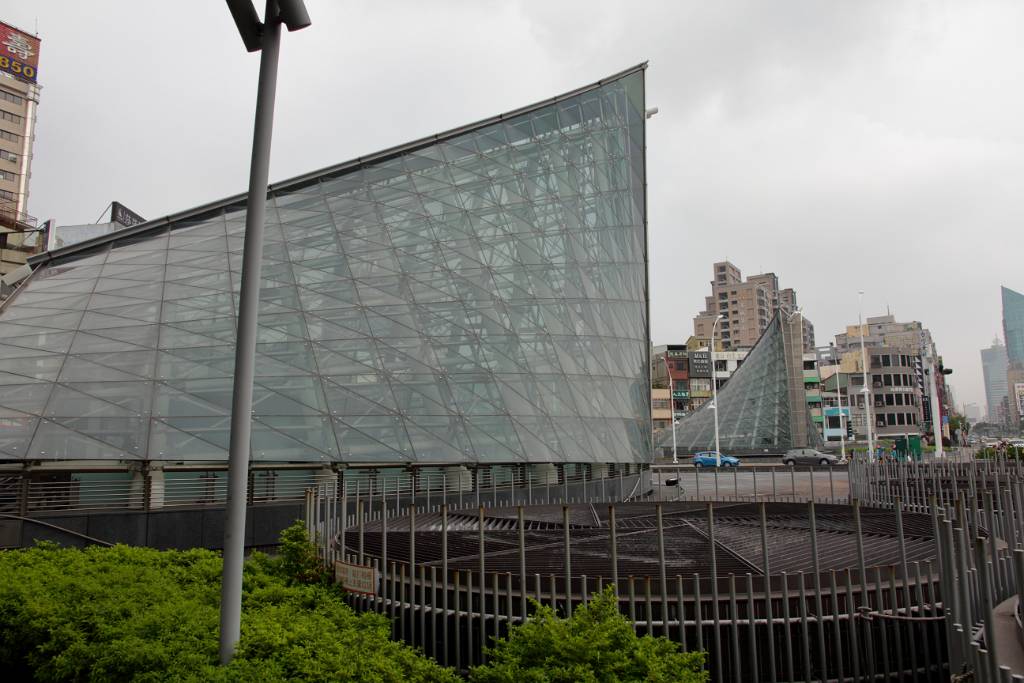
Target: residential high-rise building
{"points": [[1013, 333], [19, 96], [746, 307], [993, 367], [690, 368]]}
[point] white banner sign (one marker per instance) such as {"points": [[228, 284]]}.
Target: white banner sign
{"points": [[356, 578]]}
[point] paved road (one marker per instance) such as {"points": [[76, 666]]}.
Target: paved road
{"points": [[762, 482]]}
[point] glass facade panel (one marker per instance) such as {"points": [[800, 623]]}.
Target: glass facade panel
{"points": [[476, 297], [754, 406]]}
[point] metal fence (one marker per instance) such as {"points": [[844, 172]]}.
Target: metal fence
{"points": [[905, 565], [852, 612], [977, 512], [750, 482]]}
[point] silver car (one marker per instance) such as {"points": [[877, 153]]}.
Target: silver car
{"points": [[808, 456]]}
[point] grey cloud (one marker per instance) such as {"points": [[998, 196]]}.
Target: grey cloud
{"points": [[843, 145]]}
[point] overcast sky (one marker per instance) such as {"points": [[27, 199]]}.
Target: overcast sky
{"points": [[842, 145]]}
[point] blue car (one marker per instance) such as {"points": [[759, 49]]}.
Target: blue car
{"points": [[710, 459]]}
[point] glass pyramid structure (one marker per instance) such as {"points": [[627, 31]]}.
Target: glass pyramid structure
{"points": [[479, 296], [761, 406]]}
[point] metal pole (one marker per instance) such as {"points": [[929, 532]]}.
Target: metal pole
{"points": [[613, 542], [935, 408], [842, 427], [672, 409], [483, 583], [245, 350], [522, 565], [714, 393], [864, 372], [568, 561]]}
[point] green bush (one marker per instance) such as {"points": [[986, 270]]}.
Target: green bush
{"points": [[299, 561], [1011, 453], [137, 614], [597, 644]]}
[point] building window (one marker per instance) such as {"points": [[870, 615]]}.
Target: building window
{"points": [[7, 175], [901, 418], [659, 404], [876, 361], [9, 196], [886, 361], [887, 380], [11, 97], [876, 380], [890, 420], [8, 156], [9, 136], [8, 116], [890, 400]]}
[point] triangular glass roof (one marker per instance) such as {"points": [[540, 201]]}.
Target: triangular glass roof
{"points": [[755, 407], [476, 296]]}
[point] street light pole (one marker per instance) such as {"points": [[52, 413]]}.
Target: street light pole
{"points": [[936, 410], [265, 37], [714, 391], [864, 370], [842, 429], [672, 409]]}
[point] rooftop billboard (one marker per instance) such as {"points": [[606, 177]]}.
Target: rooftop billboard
{"points": [[19, 53]]}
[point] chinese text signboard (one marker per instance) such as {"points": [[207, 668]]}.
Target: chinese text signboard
{"points": [[700, 364], [356, 578], [19, 53], [119, 213]]}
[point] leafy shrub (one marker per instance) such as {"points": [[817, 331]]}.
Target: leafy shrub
{"points": [[595, 645], [1009, 452], [299, 560], [138, 614]]}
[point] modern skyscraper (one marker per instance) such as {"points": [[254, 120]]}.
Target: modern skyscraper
{"points": [[478, 297], [994, 365], [1013, 333], [19, 96], [746, 307]]}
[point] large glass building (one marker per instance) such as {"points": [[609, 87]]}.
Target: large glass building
{"points": [[1013, 331], [478, 296]]}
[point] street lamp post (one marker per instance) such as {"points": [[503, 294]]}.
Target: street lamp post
{"points": [[714, 391], [935, 408], [265, 37], [842, 429], [672, 410], [864, 371]]}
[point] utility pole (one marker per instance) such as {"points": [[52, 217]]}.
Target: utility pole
{"points": [[265, 37], [867, 389]]}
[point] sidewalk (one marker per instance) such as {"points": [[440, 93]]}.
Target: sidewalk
{"points": [[1008, 637]]}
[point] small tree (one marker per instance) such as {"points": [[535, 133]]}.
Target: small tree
{"points": [[595, 645], [299, 559]]}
